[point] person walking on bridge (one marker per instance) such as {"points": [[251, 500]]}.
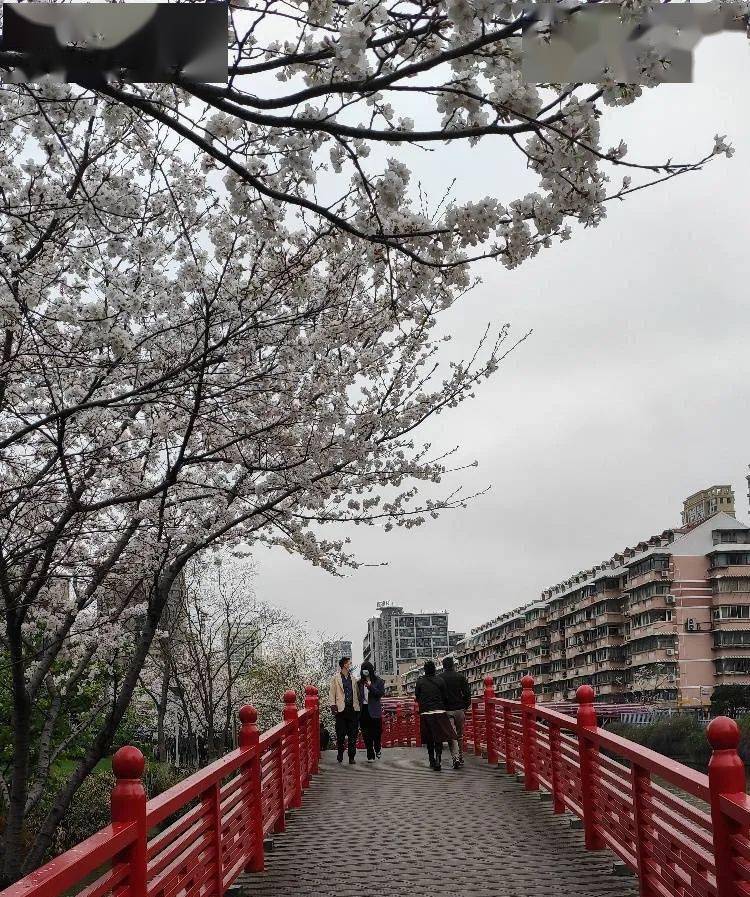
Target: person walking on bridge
{"points": [[370, 689], [457, 700], [344, 702], [435, 725]]}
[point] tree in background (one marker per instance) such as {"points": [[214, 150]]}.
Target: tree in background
{"points": [[730, 700], [292, 658], [208, 656]]}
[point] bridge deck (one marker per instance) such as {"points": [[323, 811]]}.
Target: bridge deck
{"points": [[397, 829]]}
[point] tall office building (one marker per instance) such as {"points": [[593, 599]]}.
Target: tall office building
{"points": [[397, 638], [333, 652]]}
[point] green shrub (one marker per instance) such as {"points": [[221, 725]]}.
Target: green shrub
{"points": [[90, 808], [679, 737], [88, 812], [160, 777]]}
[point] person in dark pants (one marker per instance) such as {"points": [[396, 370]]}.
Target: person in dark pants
{"points": [[325, 738], [344, 702], [370, 689], [435, 726], [457, 700]]}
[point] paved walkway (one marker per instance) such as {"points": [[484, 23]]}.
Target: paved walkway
{"points": [[398, 829]]}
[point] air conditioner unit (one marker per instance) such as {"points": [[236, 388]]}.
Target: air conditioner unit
{"points": [[669, 652], [690, 625], [669, 599], [671, 678], [629, 662]]}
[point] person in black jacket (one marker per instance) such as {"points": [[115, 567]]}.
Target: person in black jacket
{"points": [[435, 725], [371, 690], [457, 700]]}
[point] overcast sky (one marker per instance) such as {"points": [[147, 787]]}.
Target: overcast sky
{"points": [[631, 393]]}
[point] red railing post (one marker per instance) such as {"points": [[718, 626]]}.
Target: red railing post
{"points": [[248, 740], [528, 728], [589, 761], [417, 727], [640, 785], [291, 718], [212, 801], [305, 746], [279, 825], [558, 803], [128, 804], [489, 720], [311, 702], [510, 766], [399, 724], [475, 727], [726, 775]]}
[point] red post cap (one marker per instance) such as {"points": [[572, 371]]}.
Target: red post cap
{"points": [[585, 694], [527, 681], [723, 734], [290, 697], [489, 682], [248, 715], [310, 690], [128, 763]]}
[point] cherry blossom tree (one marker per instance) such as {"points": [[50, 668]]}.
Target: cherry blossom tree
{"points": [[181, 369], [292, 658]]}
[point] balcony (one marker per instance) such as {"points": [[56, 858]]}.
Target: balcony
{"points": [[649, 576], [729, 570]]}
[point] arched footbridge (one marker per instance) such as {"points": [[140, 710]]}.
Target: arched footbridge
{"points": [[546, 804]]}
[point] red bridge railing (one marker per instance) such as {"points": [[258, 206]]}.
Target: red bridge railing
{"points": [[217, 818], [675, 848]]}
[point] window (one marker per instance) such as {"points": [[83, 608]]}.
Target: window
{"points": [[732, 612], [733, 665], [737, 637], [655, 562], [731, 558], [734, 584]]}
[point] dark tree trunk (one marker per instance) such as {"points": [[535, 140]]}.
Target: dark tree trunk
{"points": [[161, 713], [19, 780]]}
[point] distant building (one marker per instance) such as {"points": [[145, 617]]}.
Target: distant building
{"points": [[397, 638], [332, 654], [455, 639], [664, 621], [706, 503]]}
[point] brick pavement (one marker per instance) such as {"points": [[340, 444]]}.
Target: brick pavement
{"points": [[501, 841]]}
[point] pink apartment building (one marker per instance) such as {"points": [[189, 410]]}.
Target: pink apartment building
{"points": [[664, 621]]}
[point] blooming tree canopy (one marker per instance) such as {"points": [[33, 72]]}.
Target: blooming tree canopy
{"points": [[319, 91], [181, 368]]}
